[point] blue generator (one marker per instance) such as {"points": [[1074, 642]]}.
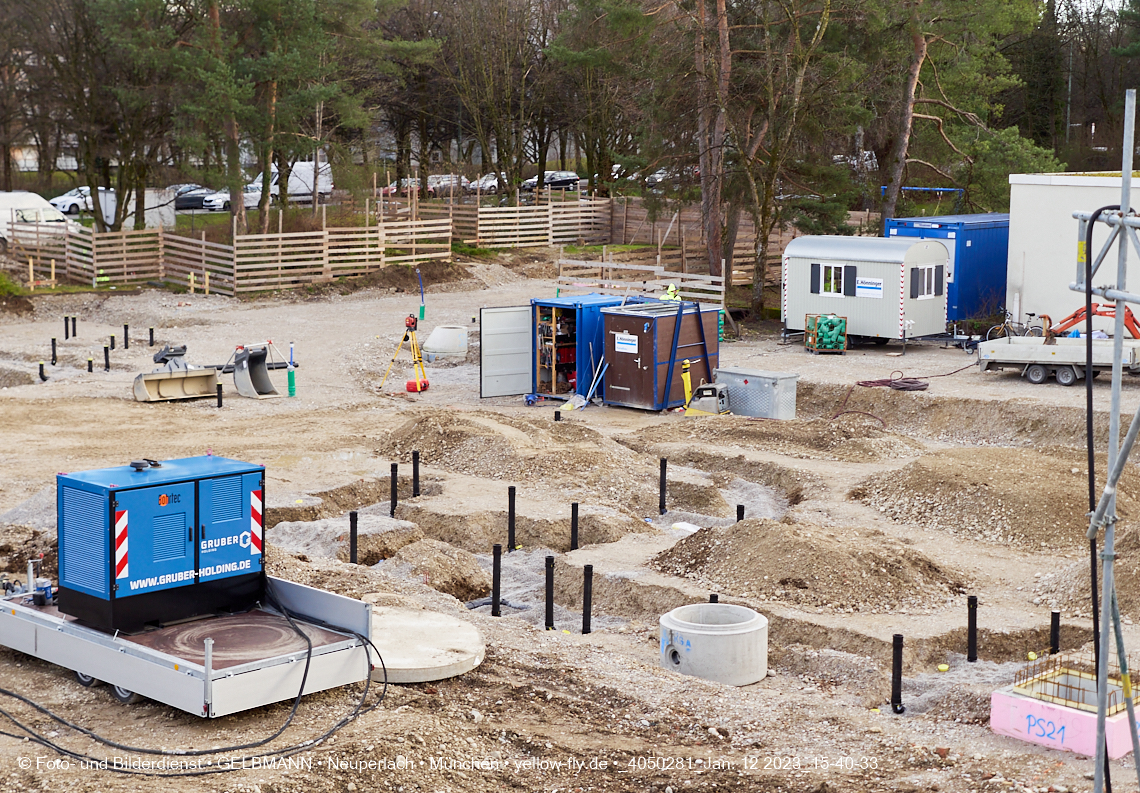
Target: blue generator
{"points": [[978, 247], [153, 543]]}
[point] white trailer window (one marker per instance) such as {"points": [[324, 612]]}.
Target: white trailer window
{"points": [[832, 279]]}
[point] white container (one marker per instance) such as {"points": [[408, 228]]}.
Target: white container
{"points": [[447, 340], [716, 641]]}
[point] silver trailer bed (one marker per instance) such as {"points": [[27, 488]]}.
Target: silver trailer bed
{"points": [[1065, 358], [210, 667]]}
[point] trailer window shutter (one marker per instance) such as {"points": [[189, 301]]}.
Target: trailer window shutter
{"points": [[915, 275], [939, 272], [849, 271], [815, 279]]}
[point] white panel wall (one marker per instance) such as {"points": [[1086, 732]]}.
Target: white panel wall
{"points": [[1043, 241]]}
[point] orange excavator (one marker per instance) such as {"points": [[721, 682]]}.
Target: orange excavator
{"points": [[1098, 310]]}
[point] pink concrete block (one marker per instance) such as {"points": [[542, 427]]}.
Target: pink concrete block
{"points": [[1056, 726]]}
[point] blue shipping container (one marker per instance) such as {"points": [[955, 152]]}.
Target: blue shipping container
{"points": [[978, 246], [170, 541], [567, 342]]}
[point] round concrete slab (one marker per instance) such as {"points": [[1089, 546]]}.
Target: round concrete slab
{"points": [[422, 646]]}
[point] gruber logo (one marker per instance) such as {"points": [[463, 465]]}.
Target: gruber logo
{"points": [[163, 500]]}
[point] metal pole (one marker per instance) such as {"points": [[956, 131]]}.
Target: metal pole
{"points": [[510, 518], [496, 579], [550, 593], [587, 596], [208, 683], [574, 526], [395, 478], [972, 628], [352, 536], [415, 474], [896, 675]]}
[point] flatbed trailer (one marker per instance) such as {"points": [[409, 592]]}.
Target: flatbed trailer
{"points": [[1064, 357], [209, 667]]}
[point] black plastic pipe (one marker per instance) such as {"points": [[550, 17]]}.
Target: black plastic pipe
{"points": [[496, 579], [574, 526], [550, 593], [972, 628], [74, 332], [107, 357], [219, 394], [43, 377], [54, 359], [739, 512], [126, 337], [714, 598], [896, 675], [395, 482], [90, 365], [352, 536], [661, 499], [112, 341], [151, 338], [510, 518], [1054, 633], [587, 596], [415, 474], [558, 415], [66, 328]]}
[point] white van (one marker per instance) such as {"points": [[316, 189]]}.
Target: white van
{"points": [[21, 206], [300, 188]]}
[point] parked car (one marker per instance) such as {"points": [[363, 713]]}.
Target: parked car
{"points": [[300, 182], [446, 184], [190, 196], [73, 201], [214, 202], [558, 180], [404, 185], [21, 206], [488, 183]]}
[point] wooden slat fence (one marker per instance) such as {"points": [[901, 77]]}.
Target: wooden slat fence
{"points": [[647, 280], [186, 256]]}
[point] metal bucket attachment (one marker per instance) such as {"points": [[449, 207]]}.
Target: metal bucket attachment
{"points": [[251, 376], [175, 380]]}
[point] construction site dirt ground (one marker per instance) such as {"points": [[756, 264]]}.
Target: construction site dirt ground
{"points": [[876, 521]]}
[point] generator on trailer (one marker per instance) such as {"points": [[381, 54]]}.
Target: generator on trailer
{"points": [[163, 593]]}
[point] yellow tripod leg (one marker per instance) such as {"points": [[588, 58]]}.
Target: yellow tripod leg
{"points": [[395, 355]]}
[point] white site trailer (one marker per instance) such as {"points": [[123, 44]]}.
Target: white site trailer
{"points": [[887, 287]]}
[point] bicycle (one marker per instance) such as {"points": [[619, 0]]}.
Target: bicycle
{"points": [[1010, 328]]}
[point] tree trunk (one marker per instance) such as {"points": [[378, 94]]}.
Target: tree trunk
{"points": [[267, 162], [906, 121], [711, 125]]}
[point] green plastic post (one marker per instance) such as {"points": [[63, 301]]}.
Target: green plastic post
{"points": [[421, 310], [292, 382]]}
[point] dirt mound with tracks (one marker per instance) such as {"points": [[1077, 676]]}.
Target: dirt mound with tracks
{"points": [[848, 438], [807, 566], [1033, 498]]}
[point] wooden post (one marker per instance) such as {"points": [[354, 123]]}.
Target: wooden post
{"points": [[206, 280], [191, 282], [684, 261], [373, 185], [53, 273], [367, 213], [323, 216], [31, 274], [624, 218]]}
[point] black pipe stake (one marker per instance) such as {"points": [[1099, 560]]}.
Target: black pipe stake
{"points": [[739, 512], [558, 415], [112, 342], [106, 358], [395, 479], [415, 474], [972, 628], [550, 593], [896, 675], [66, 328], [54, 360], [587, 596], [496, 579], [126, 337], [90, 365], [574, 526], [661, 499], [73, 328], [510, 518], [352, 536], [714, 598], [219, 394], [1054, 633], [151, 338], [43, 376]]}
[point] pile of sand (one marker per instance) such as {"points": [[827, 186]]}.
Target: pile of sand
{"points": [[804, 565], [1037, 498], [853, 438], [378, 537], [444, 568], [1068, 589]]}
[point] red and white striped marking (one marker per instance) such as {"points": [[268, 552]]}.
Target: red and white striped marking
{"points": [[122, 569], [902, 301], [255, 522]]}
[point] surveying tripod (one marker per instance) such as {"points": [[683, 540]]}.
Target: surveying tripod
{"points": [[420, 383]]}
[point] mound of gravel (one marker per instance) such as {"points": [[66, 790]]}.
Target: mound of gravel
{"points": [[378, 537], [1029, 497], [444, 568], [804, 565]]}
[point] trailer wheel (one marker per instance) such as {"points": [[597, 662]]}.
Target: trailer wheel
{"points": [[123, 695], [1066, 375], [85, 680], [1037, 374]]}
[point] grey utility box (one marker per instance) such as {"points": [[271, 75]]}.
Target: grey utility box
{"points": [[766, 395]]}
